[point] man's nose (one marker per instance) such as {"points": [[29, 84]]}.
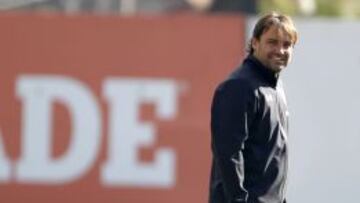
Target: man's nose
{"points": [[280, 50]]}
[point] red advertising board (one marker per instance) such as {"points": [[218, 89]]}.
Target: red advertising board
{"points": [[110, 108]]}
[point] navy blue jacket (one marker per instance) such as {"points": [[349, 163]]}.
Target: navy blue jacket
{"points": [[249, 129]]}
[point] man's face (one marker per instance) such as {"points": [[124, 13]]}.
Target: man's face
{"points": [[274, 48]]}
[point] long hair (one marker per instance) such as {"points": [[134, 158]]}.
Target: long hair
{"points": [[266, 21]]}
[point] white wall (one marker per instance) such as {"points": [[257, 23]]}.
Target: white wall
{"points": [[323, 90]]}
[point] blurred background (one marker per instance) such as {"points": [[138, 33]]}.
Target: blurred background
{"points": [[109, 100], [327, 8]]}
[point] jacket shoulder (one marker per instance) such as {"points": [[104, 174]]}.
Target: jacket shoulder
{"points": [[242, 79], [237, 90]]}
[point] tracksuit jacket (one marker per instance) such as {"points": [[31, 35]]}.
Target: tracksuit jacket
{"points": [[249, 129]]}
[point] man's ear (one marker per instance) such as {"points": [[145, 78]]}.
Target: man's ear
{"points": [[254, 43]]}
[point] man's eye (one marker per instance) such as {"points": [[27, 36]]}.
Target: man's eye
{"points": [[272, 42], [287, 44]]}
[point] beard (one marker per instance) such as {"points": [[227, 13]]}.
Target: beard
{"points": [[277, 63]]}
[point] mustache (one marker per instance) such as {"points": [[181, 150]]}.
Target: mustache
{"points": [[281, 56]]}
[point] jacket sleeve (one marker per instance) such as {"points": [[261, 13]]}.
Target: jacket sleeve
{"points": [[231, 115]]}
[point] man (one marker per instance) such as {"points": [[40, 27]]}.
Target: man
{"points": [[249, 120]]}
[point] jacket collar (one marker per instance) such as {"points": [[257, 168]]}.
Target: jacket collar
{"points": [[269, 75]]}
